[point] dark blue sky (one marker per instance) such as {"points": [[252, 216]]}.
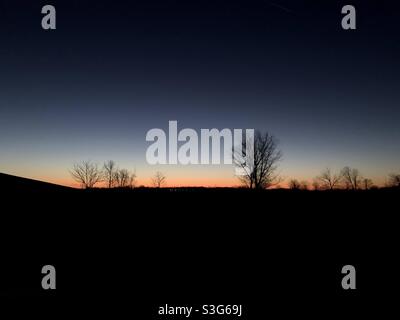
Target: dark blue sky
{"points": [[115, 69]]}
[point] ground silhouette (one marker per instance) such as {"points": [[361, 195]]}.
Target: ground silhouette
{"points": [[162, 244]]}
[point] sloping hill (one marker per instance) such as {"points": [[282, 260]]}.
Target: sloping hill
{"points": [[10, 183]]}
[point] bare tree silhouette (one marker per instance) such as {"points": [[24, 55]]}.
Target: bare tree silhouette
{"points": [[132, 179], [328, 180], [367, 184], [303, 185], [316, 184], [294, 184], [394, 180], [123, 178], [159, 179], [262, 173], [86, 173], [110, 170], [352, 178]]}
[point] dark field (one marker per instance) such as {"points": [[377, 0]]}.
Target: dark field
{"points": [[128, 251]]}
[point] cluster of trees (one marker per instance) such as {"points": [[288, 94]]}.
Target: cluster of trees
{"points": [[115, 177], [348, 178], [88, 174], [263, 173], [394, 180]]}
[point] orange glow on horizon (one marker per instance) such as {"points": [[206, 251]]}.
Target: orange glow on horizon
{"points": [[177, 182], [180, 180]]}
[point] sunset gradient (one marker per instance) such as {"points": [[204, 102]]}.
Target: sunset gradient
{"points": [[92, 88]]}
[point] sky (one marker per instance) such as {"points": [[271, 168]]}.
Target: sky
{"points": [[112, 70]]}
